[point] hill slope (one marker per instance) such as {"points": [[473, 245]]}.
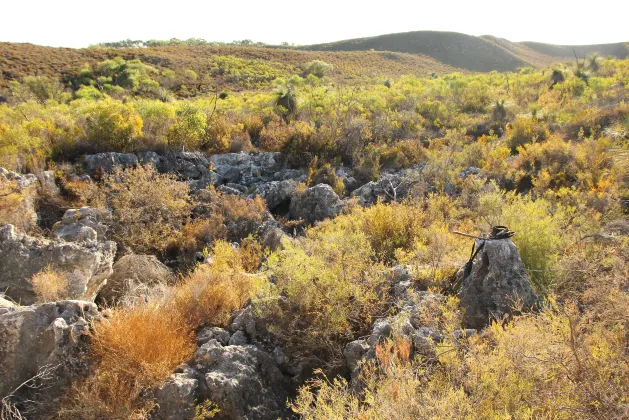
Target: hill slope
{"points": [[468, 52], [19, 60]]}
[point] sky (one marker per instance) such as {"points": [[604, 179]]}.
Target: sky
{"points": [[79, 23]]}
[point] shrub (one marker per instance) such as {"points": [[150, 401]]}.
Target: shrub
{"points": [[50, 286], [147, 207], [134, 351], [318, 68], [330, 289], [211, 293], [111, 125], [188, 130], [524, 131]]}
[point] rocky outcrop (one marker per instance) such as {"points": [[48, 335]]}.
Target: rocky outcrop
{"points": [[83, 225], [133, 278], [231, 369], [86, 265], [277, 195], [51, 334], [106, 162], [315, 204], [497, 283], [248, 169]]}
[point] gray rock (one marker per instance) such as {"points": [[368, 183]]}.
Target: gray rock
{"points": [[469, 171], [108, 161], [132, 279], [244, 321], [276, 193], [176, 397], [244, 381], [387, 188], [49, 334], [84, 224], [238, 339], [354, 353], [48, 183], [85, 265], [316, 204], [497, 281], [152, 158], [209, 333]]}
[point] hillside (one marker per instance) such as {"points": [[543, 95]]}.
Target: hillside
{"points": [[19, 60], [468, 52]]}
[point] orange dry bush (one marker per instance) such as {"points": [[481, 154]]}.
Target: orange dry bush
{"points": [[146, 342], [49, 285], [134, 351]]}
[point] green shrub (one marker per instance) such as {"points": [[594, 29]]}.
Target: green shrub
{"points": [[111, 125]]}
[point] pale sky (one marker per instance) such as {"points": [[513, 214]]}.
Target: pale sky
{"points": [[78, 23]]}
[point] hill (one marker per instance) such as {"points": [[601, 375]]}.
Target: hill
{"points": [[468, 52], [19, 60]]}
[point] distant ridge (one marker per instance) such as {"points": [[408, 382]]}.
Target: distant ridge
{"points": [[481, 54]]}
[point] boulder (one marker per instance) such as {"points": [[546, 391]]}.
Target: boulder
{"points": [[86, 265], [244, 381], [51, 334], [83, 225], [497, 283], [159, 162], [315, 204], [277, 195], [108, 161], [132, 277], [176, 397]]}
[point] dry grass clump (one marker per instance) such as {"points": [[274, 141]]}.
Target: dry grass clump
{"points": [[50, 285], [135, 350]]}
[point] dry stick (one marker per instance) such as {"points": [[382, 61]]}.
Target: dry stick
{"points": [[456, 232]]}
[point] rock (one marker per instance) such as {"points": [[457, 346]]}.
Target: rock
{"points": [[316, 204], [48, 183], [277, 194], [469, 171], [248, 168], [176, 397], [84, 224], [354, 352], [228, 190], [108, 161], [85, 265], [132, 278], [49, 334], [497, 281], [244, 381], [219, 334], [238, 339], [244, 321], [152, 158], [387, 188]]}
